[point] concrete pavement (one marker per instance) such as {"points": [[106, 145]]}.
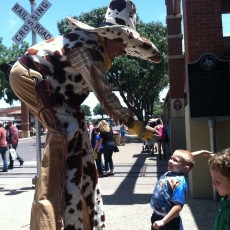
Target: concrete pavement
{"points": [[126, 195]]}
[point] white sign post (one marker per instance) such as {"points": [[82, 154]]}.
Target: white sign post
{"points": [[31, 22]]}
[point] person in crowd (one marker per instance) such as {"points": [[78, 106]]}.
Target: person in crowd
{"points": [[13, 143], [106, 139], [151, 144], [169, 194], [122, 133], [3, 147], [162, 137], [219, 165], [99, 150], [32, 130], [93, 133], [53, 79]]}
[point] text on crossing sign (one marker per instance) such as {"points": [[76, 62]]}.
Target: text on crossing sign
{"points": [[31, 21]]}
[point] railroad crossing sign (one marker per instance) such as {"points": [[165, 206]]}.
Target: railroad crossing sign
{"points": [[31, 21]]}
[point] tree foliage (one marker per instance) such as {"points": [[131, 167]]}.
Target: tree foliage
{"points": [[139, 82], [98, 110], [93, 18], [9, 55], [157, 110], [86, 109]]}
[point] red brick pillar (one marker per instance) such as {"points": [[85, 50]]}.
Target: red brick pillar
{"points": [[176, 70], [25, 120]]}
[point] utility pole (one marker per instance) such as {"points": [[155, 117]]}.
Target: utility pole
{"points": [[37, 123], [31, 23]]}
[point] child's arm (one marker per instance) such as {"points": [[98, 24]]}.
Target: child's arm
{"points": [[202, 152], [99, 143], [174, 212], [96, 146]]}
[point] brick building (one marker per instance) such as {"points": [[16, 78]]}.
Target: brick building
{"points": [[194, 124], [11, 114]]}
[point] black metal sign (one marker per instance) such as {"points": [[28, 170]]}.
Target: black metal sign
{"points": [[209, 87]]}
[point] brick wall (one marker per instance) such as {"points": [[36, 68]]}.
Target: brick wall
{"points": [[175, 54], [176, 80], [202, 28]]}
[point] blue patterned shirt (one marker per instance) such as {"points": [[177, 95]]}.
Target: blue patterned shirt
{"points": [[170, 189]]}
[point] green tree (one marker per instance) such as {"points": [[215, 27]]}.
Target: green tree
{"points": [[138, 82], [157, 111], [92, 18], [86, 109], [98, 110], [9, 55]]}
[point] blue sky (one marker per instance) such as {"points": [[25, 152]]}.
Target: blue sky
{"points": [[148, 10]]}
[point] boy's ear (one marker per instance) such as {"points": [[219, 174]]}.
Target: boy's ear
{"points": [[186, 168]]}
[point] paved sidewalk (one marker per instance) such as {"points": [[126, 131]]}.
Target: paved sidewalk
{"points": [[126, 195]]}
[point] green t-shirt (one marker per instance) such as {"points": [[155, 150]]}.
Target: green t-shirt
{"points": [[222, 220]]}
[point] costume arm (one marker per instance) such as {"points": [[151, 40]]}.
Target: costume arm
{"points": [[154, 130], [174, 212], [94, 73]]}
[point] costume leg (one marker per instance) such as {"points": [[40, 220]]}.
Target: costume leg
{"points": [[48, 205], [92, 190], [82, 190], [48, 201]]}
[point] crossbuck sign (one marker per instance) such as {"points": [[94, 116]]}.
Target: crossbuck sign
{"points": [[31, 21]]}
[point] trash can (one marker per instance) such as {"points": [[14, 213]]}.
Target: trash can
{"points": [[116, 137]]}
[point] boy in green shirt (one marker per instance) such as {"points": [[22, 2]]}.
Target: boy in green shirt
{"points": [[220, 171]]}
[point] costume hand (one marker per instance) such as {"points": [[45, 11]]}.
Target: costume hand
{"points": [[147, 135], [139, 129], [158, 224]]}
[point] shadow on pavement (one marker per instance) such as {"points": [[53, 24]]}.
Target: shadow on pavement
{"points": [[125, 193], [203, 210], [12, 192]]}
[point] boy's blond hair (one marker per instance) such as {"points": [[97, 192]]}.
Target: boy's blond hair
{"points": [[221, 162], [187, 158]]}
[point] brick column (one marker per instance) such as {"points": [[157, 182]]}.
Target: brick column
{"points": [[176, 72], [25, 120]]}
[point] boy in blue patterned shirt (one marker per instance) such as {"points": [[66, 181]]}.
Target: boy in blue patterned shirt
{"points": [[169, 194]]}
